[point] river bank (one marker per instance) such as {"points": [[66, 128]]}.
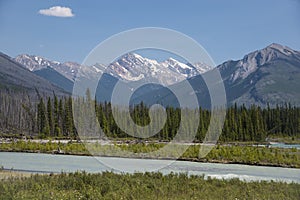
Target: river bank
{"points": [[247, 155], [8, 174]]}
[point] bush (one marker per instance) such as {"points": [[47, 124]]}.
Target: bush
{"points": [[107, 185]]}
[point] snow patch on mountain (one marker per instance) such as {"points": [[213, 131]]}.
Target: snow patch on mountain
{"points": [[133, 67], [35, 63], [130, 67]]}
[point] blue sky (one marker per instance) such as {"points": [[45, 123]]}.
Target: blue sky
{"points": [[226, 29]]}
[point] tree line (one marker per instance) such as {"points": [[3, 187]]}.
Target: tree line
{"points": [[53, 117]]}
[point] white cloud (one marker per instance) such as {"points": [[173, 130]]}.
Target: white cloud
{"points": [[57, 11]]}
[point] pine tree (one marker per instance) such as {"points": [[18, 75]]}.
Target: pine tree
{"points": [[50, 117], [57, 130], [43, 124]]}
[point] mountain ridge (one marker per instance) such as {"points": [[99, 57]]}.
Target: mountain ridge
{"points": [[15, 78], [129, 67], [268, 75]]}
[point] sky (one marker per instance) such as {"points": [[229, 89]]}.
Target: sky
{"points": [[67, 30]]}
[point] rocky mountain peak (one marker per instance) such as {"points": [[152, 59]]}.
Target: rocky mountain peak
{"points": [[129, 67], [252, 61], [134, 67]]}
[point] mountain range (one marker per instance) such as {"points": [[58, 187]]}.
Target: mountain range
{"points": [[267, 76], [130, 67], [270, 75], [15, 78]]}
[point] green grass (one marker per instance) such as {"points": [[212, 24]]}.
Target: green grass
{"points": [[8, 174], [108, 185]]}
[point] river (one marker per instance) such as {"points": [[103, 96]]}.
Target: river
{"points": [[283, 145], [45, 163]]}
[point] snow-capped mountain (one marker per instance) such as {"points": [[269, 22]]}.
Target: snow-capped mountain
{"points": [[35, 63], [267, 76], [133, 67], [130, 67], [15, 78], [270, 75]]}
